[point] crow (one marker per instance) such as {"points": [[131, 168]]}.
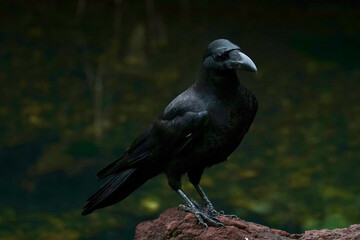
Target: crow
{"points": [[201, 127]]}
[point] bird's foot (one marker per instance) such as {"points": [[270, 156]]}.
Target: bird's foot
{"points": [[214, 213], [222, 213], [201, 216]]}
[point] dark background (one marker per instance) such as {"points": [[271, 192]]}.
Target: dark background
{"points": [[80, 79]]}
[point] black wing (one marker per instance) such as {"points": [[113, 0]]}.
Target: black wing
{"points": [[181, 132], [176, 130]]}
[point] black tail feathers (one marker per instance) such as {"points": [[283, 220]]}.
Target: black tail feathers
{"points": [[116, 189], [126, 174]]}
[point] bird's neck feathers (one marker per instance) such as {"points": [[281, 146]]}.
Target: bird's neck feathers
{"points": [[225, 82]]}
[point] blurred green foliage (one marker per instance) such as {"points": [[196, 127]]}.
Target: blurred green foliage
{"points": [[80, 79]]}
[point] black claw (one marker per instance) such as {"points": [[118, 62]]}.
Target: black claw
{"points": [[231, 216], [182, 206], [214, 213], [222, 213], [201, 220]]}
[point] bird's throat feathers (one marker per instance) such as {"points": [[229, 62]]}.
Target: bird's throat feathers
{"points": [[223, 81]]}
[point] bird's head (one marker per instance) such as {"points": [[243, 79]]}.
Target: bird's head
{"points": [[223, 55]]}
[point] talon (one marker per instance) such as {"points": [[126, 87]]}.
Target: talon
{"points": [[201, 221], [184, 208], [222, 213], [214, 212], [181, 207]]}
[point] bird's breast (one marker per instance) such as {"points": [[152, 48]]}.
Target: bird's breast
{"points": [[229, 123]]}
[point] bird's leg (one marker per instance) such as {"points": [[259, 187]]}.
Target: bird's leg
{"points": [[201, 216], [208, 205]]}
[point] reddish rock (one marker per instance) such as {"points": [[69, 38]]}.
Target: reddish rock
{"points": [[177, 224]]}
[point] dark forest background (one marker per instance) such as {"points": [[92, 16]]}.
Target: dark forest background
{"points": [[80, 79]]}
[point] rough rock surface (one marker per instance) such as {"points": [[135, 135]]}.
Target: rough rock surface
{"points": [[177, 224]]}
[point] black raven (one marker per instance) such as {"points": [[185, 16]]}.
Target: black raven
{"points": [[199, 128]]}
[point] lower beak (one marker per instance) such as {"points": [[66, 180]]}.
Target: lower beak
{"points": [[239, 60]]}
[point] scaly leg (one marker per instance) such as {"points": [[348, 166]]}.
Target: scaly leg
{"points": [[208, 205], [201, 216]]}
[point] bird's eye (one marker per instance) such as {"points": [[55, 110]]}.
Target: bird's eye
{"points": [[220, 56]]}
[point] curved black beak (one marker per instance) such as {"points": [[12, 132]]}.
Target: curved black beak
{"points": [[238, 60]]}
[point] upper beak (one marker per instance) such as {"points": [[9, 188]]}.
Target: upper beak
{"points": [[239, 60]]}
